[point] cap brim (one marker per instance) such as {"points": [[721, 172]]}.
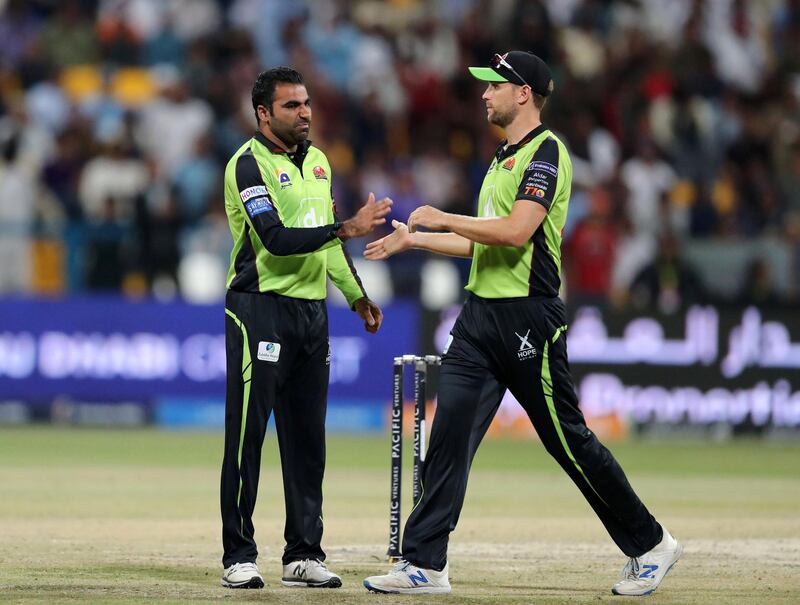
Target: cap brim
{"points": [[487, 74]]}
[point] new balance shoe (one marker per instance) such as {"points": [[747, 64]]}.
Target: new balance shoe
{"points": [[642, 575], [405, 578], [242, 575], [309, 573]]}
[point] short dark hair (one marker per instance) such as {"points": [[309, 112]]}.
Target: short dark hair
{"points": [[540, 100], [264, 86]]}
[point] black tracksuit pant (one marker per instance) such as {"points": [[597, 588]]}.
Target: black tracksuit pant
{"points": [[517, 344], [277, 359]]}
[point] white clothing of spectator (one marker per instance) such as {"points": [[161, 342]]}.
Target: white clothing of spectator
{"points": [[170, 126], [115, 176], [190, 18], [647, 178], [735, 41], [17, 212]]}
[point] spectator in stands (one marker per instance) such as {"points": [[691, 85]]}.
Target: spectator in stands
{"points": [[668, 283], [758, 287], [591, 251], [17, 207]]}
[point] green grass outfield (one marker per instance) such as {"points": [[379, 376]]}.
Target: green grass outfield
{"points": [[117, 516]]}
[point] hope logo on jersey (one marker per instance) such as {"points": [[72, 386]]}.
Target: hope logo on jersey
{"points": [[509, 163], [258, 205], [252, 192], [283, 178], [319, 173]]}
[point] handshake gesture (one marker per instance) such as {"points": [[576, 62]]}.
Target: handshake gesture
{"points": [[402, 238]]}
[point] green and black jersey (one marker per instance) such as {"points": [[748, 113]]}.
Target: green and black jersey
{"points": [[282, 217], [538, 169]]}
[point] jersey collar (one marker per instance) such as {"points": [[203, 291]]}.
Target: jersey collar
{"points": [[302, 148], [295, 157], [504, 151]]}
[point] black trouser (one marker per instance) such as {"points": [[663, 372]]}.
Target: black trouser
{"points": [[294, 383], [517, 344]]}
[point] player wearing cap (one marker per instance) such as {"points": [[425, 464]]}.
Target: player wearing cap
{"points": [[287, 240], [511, 335]]}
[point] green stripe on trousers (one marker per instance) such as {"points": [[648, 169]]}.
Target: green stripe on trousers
{"points": [[247, 370], [547, 387]]}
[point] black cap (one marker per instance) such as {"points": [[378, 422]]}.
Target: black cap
{"points": [[518, 67]]}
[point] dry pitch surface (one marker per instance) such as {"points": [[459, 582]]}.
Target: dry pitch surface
{"points": [[131, 517]]}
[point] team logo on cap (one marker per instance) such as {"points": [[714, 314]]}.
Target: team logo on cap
{"points": [[509, 163], [319, 173], [283, 178]]}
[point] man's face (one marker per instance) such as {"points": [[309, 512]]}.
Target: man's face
{"points": [[501, 105], [290, 119]]}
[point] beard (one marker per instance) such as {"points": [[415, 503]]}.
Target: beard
{"points": [[503, 118], [290, 134]]}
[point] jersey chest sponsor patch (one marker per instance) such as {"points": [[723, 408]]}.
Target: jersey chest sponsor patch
{"points": [[269, 351], [258, 205], [283, 178]]}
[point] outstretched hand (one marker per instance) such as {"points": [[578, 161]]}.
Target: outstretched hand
{"points": [[399, 240], [369, 216]]}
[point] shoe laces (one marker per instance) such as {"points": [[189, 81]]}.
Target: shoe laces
{"points": [[631, 569], [400, 567], [243, 566], [306, 563]]}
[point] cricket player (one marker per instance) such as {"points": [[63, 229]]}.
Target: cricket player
{"points": [[287, 239], [511, 334]]}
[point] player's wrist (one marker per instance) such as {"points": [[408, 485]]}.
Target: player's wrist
{"points": [[448, 221], [346, 230]]}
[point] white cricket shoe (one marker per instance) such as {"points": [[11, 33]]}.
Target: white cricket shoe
{"points": [[642, 575], [242, 575], [405, 578], [309, 573]]}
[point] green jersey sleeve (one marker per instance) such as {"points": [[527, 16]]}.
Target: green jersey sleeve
{"points": [[342, 272]]}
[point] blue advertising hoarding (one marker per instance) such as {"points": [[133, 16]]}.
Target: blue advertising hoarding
{"points": [[170, 355]]}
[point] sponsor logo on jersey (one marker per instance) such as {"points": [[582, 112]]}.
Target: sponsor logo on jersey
{"points": [[252, 192], [320, 174], [269, 351], [283, 178], [310, 219], [258, 205], [526, 349], [543, 167], [509, 164], [532, 190]]}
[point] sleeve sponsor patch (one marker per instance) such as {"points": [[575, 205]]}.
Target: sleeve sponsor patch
{"points": [[258, 205], [252, 192], [543, 167], [533, 190]]}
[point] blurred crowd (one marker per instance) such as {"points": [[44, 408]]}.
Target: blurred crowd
{"points": [[682, 117]]}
